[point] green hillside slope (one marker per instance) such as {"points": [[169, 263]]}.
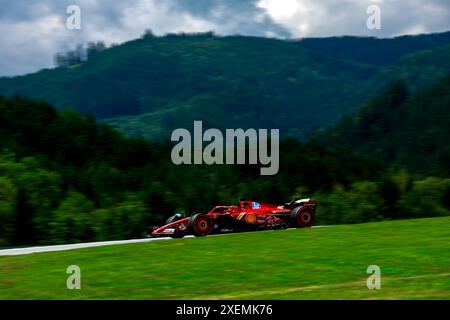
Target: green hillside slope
{"points": [[410, 131], [419, 69], [239, 80], [162, 83]]}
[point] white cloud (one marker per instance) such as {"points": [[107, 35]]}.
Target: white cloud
{"points": [[281, 10], [28, 44], [304, 18], [153, 15], [31, 32]]}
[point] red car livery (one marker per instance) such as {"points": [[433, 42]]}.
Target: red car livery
{"points": [[246, 216]]}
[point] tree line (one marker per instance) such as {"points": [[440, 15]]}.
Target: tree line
{"points": [[65, 178]]}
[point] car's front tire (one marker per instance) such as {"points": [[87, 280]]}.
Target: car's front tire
{"points": [[200, 225], [302, 217]]}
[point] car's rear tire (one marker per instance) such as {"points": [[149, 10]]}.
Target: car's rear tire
{"points": [[200, 225], [302, 217]]}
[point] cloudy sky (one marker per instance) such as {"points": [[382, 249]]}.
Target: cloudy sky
{"points": [[32, 31]]}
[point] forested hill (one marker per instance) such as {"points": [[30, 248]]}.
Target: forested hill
{"points": [[152, 85], [65, 178], [406, 130], [374, 51]]}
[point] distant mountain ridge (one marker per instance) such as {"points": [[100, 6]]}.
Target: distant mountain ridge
{"points": [[153, 85], [374, 51]]}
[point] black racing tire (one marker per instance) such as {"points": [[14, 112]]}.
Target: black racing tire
{"points": [[302, 217], [177, 235], [200, 225]]}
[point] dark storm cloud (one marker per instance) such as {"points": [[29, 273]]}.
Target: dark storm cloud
{"points": [[31, 31]]}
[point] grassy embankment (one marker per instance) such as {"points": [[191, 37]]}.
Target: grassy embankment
{"points": [[318, 263]]}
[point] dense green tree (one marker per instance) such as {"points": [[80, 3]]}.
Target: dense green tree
{"points": [[72, 220], [427, 198], [8, 199], [404, 131], [360, 203]]}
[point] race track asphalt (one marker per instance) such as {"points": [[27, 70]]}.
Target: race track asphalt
{"points": [[64, 247]]}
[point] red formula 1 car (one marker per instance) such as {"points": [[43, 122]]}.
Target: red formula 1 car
{"points": [[247, 216]]}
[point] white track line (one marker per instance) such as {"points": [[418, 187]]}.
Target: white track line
{"points": [[65, 247]]}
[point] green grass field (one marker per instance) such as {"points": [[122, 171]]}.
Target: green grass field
{"points": [[319, 263]]}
